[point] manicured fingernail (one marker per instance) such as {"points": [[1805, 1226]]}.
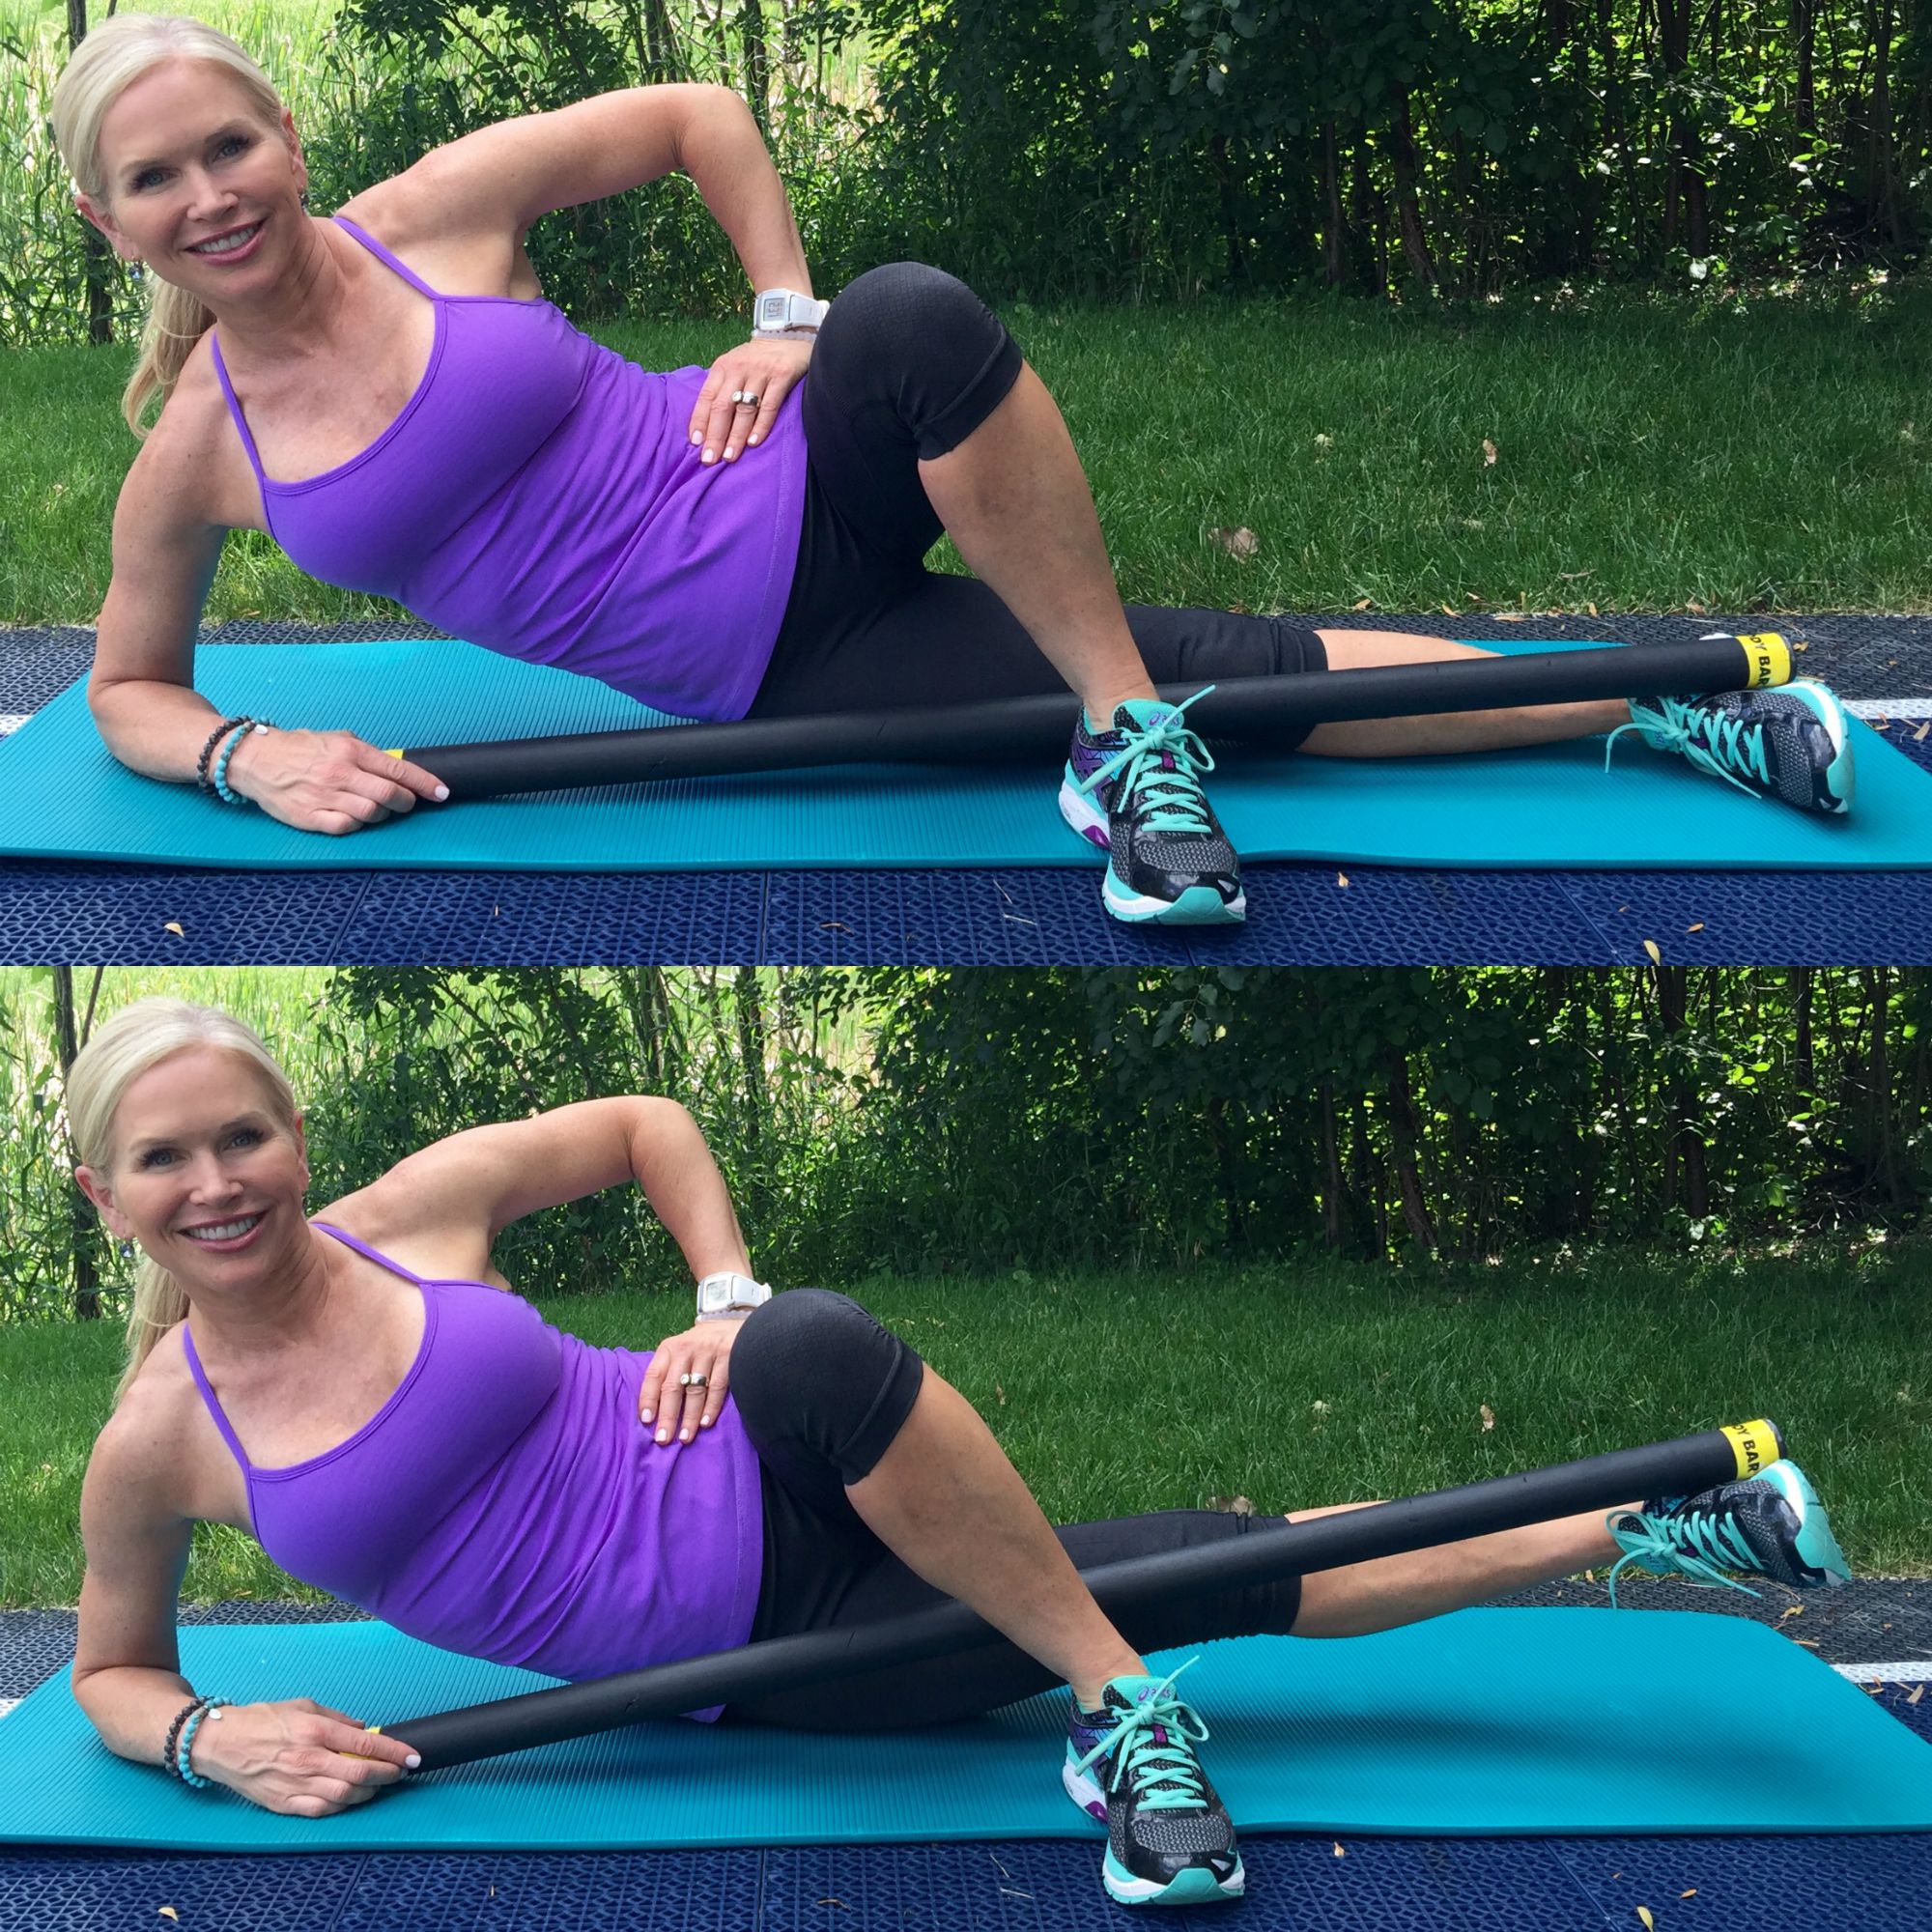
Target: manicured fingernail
{"points": [[698, 436], [645, 1414], [748, 440], [443, 792], [664, 1434], [684, 1435], [709, 456], [414, 1759]]}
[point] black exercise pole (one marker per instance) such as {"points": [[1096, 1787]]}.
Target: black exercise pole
{"points": [[1249, 708], [1682, 1467]]}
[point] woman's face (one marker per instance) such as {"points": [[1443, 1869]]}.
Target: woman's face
{"points": [[206, 1176], [189, 164]]}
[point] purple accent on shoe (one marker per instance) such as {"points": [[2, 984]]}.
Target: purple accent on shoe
{"points": [[1095, 836], [1097, 1810]]}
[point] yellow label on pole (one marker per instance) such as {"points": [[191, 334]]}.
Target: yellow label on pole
{"points": [[1754, 1444], [1767, 657]]}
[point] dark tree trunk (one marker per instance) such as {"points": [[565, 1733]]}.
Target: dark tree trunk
{"points": [[68, 1037]]}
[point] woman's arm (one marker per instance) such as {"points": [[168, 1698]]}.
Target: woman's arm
{"points": [[141, 690], [457, 1196], [513, 172], [294, 1756]]}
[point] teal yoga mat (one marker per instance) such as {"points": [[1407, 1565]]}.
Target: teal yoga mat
{"points": [[1553, 806], [1490, 1722]]}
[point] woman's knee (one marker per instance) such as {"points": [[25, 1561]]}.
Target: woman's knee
{"points": [[815, 1367]]}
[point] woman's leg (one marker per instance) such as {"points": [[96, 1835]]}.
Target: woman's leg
{"points": [[1389, 1591], [1447, 731]]}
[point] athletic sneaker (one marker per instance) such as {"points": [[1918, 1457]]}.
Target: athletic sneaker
{"points": [[1771, 1524], [1135, 791], [1131, 1765], [1789, 741]]}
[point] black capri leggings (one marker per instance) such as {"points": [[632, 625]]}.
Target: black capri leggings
{"points": [[909, 362], [822, 1389]]}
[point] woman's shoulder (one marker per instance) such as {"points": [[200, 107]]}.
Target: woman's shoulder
{"points": [[191, 456], [148, 1434], [414, 216]]}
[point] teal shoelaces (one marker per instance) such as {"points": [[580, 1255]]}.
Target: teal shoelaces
{"points": [[1152, 1747], [1734, 745], [1699, 1545], [1163, 762]]}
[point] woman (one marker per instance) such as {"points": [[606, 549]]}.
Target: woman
{"points": [[366, 1394], [389, 396]]}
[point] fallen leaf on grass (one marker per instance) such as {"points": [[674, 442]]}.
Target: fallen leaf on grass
{"points": [[1489, 1416], [1656, 957], [1232, 1505], [1695, 608], [1591, 607], [1364, 603], [1449, 609], [1511, 616], [998, 1395], [1488, 453], [1237, 543]]}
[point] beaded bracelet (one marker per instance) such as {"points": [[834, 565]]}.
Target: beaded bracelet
{"points": [[214, 738], [223, 790], [174, 1733], [211, 1708]]}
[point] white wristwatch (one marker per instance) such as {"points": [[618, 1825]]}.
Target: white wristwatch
{"points": [[723, 1295], [785, 312]]}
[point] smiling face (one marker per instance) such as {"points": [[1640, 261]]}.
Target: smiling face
{"points": [[208, 1175], [198, 185]]}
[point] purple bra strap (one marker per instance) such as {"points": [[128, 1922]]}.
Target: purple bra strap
{"points": [[368, 1253], [207, 1396], [235, 408], [382, 254]]}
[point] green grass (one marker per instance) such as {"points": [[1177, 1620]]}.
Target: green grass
{"points": [[1648, 455], [1291, 1386]]}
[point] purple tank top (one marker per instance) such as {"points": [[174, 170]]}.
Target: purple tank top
{"points": [[506, 1502], [539, 496]]}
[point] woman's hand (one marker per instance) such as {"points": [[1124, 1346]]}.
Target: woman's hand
{"points": [[327, 780], [704, 1349], [296, 1756], [765, 368]]}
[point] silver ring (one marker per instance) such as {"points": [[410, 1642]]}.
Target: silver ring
{"points": [[745, 399], [693, 1379]]}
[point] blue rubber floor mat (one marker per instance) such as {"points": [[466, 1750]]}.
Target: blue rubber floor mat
{"points": [[1553, 805], [1499, 1720]]}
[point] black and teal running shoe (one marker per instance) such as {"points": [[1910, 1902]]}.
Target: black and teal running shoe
{"points": [[1135, 791], [1771, 1524], [1790, 742], [1131, 1765]]}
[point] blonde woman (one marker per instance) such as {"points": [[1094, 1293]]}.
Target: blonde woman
{"points": [[366, 1395], [388, 395]]}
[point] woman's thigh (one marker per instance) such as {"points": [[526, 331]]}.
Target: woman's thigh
{"points": [[945, 1688], [878, 639]]}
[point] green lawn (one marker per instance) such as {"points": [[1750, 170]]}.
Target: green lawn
{"points": [[1646, 455], [1291, 1386]]}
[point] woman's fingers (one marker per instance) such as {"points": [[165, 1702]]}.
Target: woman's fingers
{"points": [[681, 1404], [743, 393]]}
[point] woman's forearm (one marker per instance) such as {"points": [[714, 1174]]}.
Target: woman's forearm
{"points": [[131, 1706], [151, 726], [680, 1180], [722, 150]]}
